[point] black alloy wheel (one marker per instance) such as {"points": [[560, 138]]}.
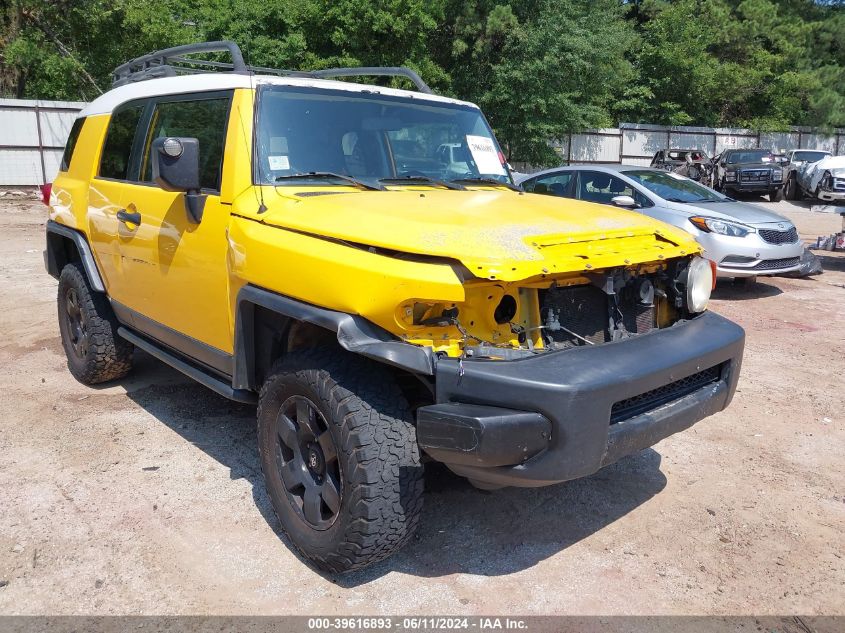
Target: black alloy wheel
{"points": [[77, 324], [306, 458]]}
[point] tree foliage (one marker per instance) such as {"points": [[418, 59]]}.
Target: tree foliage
{"points": [[538, 68]]}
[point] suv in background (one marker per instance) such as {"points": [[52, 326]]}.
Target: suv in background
{"points": [[302, 244], [748, 171]]}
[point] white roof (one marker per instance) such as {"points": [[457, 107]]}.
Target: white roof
{"points": [[205, 82]]}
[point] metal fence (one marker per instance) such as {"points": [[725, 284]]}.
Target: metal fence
{"points": [[33, 134], [636, 143], [32, 137]]}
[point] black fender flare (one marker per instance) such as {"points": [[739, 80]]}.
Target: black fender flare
{"points": [[54, 259], [354, 334]]}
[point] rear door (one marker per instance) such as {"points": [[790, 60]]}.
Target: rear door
{"points": [[106, 232], [176, 267]]}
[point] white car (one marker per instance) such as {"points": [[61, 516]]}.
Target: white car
{"points": [[823, 179]]}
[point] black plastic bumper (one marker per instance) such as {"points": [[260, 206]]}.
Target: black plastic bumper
{"points": [[563, 415]]}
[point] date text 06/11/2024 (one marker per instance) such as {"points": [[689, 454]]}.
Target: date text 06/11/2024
{"points": [[419, 623]]}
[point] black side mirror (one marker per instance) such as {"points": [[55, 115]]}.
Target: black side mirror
{"points": [[176, 167]]}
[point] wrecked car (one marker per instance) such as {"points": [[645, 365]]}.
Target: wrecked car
{"points": [[821, 179], [308, 245]]}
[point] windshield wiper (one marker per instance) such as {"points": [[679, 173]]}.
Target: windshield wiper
{"points": [[328, 174], [422, 179], [486, 181]]}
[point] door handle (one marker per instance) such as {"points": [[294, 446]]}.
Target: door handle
{"points": [[128, 217]]}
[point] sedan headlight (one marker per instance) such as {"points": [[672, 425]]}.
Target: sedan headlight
{"points": [[730, 175], [699, 284], [777, 175], [722, 227]]}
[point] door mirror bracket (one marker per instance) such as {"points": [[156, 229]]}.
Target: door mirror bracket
{"points": [[176, 168]]}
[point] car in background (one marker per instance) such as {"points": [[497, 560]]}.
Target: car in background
{"points": [[798, 170], [743, 240], [670, 159], [748, 171]]}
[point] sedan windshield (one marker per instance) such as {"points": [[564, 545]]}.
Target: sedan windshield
{"points": [[810, 157], [673, 187], [750, 156], [306, 135]]}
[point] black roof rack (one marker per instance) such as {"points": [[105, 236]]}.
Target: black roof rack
{"points": [[171, 62]]}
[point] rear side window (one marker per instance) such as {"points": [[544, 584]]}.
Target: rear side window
{"points": [[71, 144], [202, 119], [114, 162], [559, 184]]}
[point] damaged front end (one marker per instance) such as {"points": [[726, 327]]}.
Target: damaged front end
{"points": [[504, 321]]}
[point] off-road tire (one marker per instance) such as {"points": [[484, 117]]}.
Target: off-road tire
{"points": [[776, 195], [95, 353], [380, 475]]}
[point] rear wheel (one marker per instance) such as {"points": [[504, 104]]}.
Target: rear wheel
{"points": [[95, 352], [340, 458]]}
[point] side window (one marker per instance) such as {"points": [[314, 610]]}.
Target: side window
{"points": [[71, 144], [202, 119], [114, 161], [559, 184], [596, 186]]}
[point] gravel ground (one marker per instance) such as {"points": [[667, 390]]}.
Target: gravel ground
{"points": [[146, 497]]}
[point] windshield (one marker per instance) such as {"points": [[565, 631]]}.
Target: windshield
{"points": [[673, 187], [751, 156], [810, 157], [370, 137]]}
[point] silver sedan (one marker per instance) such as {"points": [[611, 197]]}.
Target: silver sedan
{"points": [[744, 240]]}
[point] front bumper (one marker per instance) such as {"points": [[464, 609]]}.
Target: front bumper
{"points": [[563, 415], [754, 186], [830, 196], [751, 255]]}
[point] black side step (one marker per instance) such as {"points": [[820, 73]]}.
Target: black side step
{"points": [[215, 384]]}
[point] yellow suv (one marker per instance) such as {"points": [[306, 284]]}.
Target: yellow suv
{"points": [[307, 245]]}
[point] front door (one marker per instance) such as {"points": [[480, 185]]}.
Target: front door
{"points": [[176, 267]]}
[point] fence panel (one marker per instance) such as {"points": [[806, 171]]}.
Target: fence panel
{"points": [[32, 137], [33, 134]]}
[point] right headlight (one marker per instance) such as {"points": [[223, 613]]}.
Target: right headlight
{"points": [[722, 227], [730, 176], [699, 284]]}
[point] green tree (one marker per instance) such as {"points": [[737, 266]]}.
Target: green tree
{"points": [[535, 66]]}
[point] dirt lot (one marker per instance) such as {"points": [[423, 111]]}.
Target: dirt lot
{"points": [[146, 496]]}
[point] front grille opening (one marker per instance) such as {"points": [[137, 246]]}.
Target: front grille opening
{"points": [[645, 402], [580, 315], [776, 264], [772, 236]]}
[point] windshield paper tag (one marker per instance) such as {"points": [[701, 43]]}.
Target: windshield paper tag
{"points": [[485, 155], [278, 163]]}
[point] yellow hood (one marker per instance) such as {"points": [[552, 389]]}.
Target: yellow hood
{"points": [[496, 234]]}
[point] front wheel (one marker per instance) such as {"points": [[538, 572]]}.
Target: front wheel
{"points": [[340, 458], [776, 195], [793, 190]]}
